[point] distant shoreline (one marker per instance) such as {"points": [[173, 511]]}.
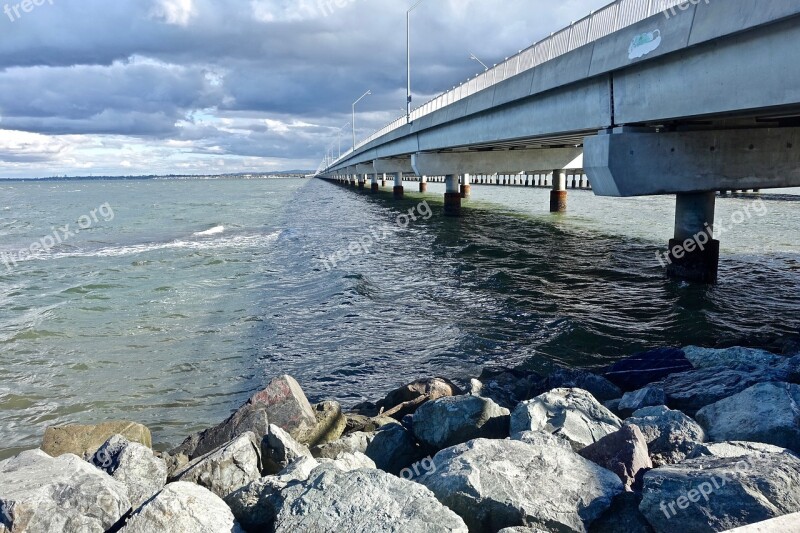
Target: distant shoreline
{"points": [[277, 175]]}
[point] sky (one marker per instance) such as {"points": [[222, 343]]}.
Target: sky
{"points": [[132, 87]]}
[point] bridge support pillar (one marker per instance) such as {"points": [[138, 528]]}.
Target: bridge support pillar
{"points": [[558, 196], [694, 253], [398, 185], [362, 181], [423, 184], [466, 189], [374, 185], [452, 196]]}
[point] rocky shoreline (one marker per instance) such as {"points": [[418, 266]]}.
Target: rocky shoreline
{"points": [[693, 440]]}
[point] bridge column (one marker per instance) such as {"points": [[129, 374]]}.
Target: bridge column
{"points": [[558, 196], [452, 196], [383, 180], [398, 184], [466, 189], [362, 181], [584, 181], [694, 253], [423, 184], [374, 186]]}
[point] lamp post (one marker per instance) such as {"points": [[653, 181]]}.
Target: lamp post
{"points": [[408, 60], [354, 116], [473, 56]]}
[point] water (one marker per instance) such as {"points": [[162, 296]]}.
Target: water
{"points": [[196, 292]]}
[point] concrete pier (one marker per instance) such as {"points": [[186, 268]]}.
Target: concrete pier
{"points": [[452, 196], [374, 186], [398, 184], [694, 253], [466, 189], [558, 196], [423, 184]]}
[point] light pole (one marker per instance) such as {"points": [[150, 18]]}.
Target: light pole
{"points": [[408, 60], [354, 117], [339, 136], [473, 56]]}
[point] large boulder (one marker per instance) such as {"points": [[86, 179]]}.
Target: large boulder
{"points": [[393, 448], [493, 484], [133, 465], [42, 494], [767, 412], [183, 508], [331, 423], [248, 418], [360, 500], [452, 420], [351, 443], [573, 414], [570, 378], [348, 462], [509, 386], [288, 408], [671, 435], [624, 453], [407, 399], [730, 357], [279, 450], [84, 440], [227, 468], [637, 371], [733, 449], [646, 397], [717, 494]]}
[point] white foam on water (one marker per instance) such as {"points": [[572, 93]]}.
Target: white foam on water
{"points": [[216, 230]]}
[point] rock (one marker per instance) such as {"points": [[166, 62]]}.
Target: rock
{"points": [[361, 500], [348, 462], [624, 453], [733, 449], [730, 357], [670, 435], [288, 408], [716, 494], [175, 462], [522, 530], [647, 397], [331, 423], [542, 438], [784, 524], [509, 386], [474, 388], [452, 420], [183, 508], [622, 517], [791, 368], [279, 449], [42, 494], [227, 468], [393, 448], [691, 391], [84, 441], [356, 422], [408, 398], [493, 484], [354, 442], [573, 414], [767, 412], [133, 465], [641, 369], [248, 418], [598, 386]]}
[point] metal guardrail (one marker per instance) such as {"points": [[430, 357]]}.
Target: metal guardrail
{"points": [[609, 19]]}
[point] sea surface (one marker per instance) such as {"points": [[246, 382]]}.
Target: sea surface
{"points": [[177, 299]]}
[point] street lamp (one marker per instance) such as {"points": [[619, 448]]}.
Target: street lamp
{"points": [[408, 60], [473, 56], [354, 115]]}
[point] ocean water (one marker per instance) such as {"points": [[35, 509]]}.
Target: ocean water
{"points": [[177, 299]]}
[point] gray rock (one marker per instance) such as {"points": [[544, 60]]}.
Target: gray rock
{"points": [[365, 424], [288, 408], [622, 517], [569, 378], [133, 465], [331, 423], [624, 453], [522, 530], [717, 494], [733, 449], [493, 484], [183, 508], [84, 440], [542, 438], [646, 397], [767, 412], [507, 387], [452, 420], [730, 357], [279, 449], [361, 500], [353, 442], [571, 413], [393, 448], [227, 468], [248, 418], [671, 435], [348, 462], [42, 494], [407, 399]]}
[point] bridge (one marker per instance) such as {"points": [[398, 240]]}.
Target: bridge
{"points": [[647, 97]]}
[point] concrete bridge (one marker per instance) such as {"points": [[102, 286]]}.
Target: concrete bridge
{"points": [[647, 97]]}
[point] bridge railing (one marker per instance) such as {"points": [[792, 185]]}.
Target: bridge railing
{"points": [[598, 24]]}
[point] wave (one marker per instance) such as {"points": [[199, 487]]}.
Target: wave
{"points": [[216, 230]]}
